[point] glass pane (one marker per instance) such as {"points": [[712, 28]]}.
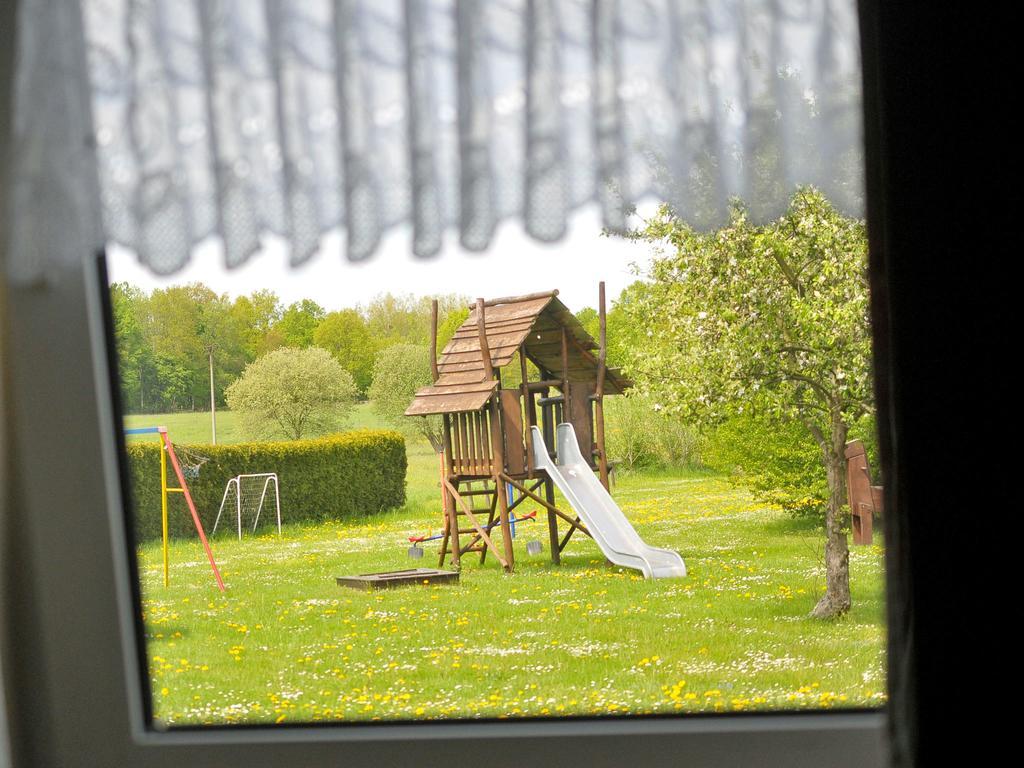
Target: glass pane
{"points": [[642, 517]]}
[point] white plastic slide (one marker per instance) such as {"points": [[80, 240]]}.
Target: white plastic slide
{"points": [[611, 530]]}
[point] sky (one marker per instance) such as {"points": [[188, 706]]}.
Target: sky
{"points": [[514, 264]]}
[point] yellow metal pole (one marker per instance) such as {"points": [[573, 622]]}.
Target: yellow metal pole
{"points": [[163, 508]]}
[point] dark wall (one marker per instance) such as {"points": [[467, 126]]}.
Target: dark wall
{"points": [[942, 236]]}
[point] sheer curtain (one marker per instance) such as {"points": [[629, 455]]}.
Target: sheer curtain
{"points": [[236, 118]]}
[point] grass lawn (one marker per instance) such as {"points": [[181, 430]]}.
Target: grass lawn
{"points": [[194, 427], [285, 643]]}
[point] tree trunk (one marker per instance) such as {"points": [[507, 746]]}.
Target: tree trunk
{"points": [[836, 600], [435, 440]]}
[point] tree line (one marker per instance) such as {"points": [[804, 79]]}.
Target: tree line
{"points": [[169, 339]]}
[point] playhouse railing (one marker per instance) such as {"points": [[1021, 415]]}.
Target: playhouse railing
{"points": [[472, 451]]}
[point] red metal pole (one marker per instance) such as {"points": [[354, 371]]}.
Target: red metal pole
{"points": [[192, 507]]}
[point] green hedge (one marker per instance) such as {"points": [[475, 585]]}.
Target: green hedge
{"points": [[331, 478]]}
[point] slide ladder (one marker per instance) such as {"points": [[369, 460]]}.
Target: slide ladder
{"points": [[611, 530]]}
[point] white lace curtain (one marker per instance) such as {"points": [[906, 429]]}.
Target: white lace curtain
{"points": [[240, 117]]}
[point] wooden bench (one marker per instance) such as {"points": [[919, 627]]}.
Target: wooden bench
{"points": [[865, 498]]}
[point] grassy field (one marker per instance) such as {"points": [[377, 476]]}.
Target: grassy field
{"points": [[194, 427], [286, 644]]}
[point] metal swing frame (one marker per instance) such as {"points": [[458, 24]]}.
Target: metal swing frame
{"points": [[236, 481]]}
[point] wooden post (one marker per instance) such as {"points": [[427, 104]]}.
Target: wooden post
{"points": [[602, 357], [565, 374], [471, 439], [433, 339], [481, 432], [549, 497], [490, 524], [527, 402], [450, 513], [602, 360], [547, 417], [453, 524], [468, 511], [524, 297], [465, 453], [527, 493], [445, 529], [485, 350], [498, 464]]}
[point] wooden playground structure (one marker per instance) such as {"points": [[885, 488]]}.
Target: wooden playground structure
{"points": [[488, 466]]}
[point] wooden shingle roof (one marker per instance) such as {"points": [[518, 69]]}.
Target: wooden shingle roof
{"points": [[536, 320]]}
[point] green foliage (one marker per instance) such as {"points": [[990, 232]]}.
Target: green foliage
{"points": [[778, 459], [176, 380], [406, 319], [165, 340], [345, 335], [135, 356], [182, 325], [256, 316], [293, 393], [399, 371], [776, 312], [769, 319], [333, 478], [773, 317], [298, 323], [512, 376], [626, 337], [590, 320], [639, 435], [447, 327]]}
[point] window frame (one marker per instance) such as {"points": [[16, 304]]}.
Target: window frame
{"points": [[78, 608], [70, 653]]}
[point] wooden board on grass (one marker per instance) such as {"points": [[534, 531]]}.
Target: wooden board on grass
{"points": [[388, 579]]}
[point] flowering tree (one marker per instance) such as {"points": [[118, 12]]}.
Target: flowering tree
{"points": [[398, 372], [773, 318], [293, 393]]}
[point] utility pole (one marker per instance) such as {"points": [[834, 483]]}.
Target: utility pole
{"points": [[213, 401]]}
